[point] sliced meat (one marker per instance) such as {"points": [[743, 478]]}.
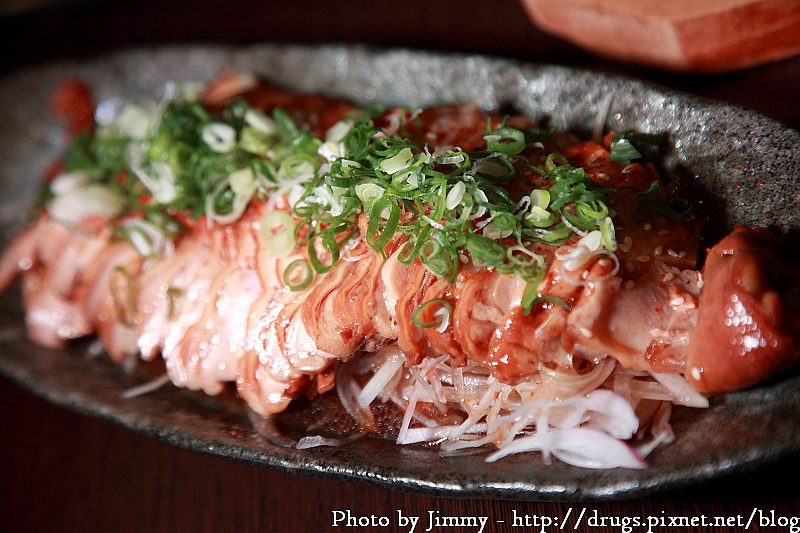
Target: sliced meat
{"points": [[51, 260], [644, 324], [745, 331]]}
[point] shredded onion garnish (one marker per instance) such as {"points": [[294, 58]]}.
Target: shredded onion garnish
{"points": [[145, 388], [573, 417], [154, 170]]}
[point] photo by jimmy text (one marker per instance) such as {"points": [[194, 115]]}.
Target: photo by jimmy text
{"points": [[573, 520]]}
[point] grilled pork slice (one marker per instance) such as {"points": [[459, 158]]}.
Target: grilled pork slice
{"points": [[749, 317], [217, 308], [66, 287], [217, 311]]}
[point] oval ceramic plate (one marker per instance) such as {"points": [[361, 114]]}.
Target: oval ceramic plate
{"points": [[732, 156]]}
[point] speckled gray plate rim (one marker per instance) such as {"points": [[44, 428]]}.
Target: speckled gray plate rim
{"points": [[732, 154]]}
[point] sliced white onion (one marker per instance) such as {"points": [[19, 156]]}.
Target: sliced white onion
{"points": [[348, 391], [455, 195], [242, 181], [331, 150], [397, 162], [315, 441], [352, 244], [159, 180], [260, 122], [587, 448], [220, 137], [338, 131], [408, 415], [683, 393], [145, 388], [452, 159], [565, 385], [429, 394], [646, 449], [382, 376], [430, 434], [133, 122], [148, 239], [574, 263], [620, 418], [78, 204], [67, 182]]}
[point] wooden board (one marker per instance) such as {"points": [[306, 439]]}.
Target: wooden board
{"points": [[677, 35]]}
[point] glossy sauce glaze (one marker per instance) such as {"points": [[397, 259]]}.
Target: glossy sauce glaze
{"points": [[219, 308]]}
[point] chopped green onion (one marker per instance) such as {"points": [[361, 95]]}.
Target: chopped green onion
{"points": [[369, 193], [185, 160], [380, 241], [329, 244], [530, 293], [424, 317], [220, 137], [277, 231], [608, 234], [398, 162], [622, 150], [130, 296], [653, 200], [455, 195], [509, 141], [540, 198], [485, 251], [303, 269], [547, 298], [554, 161]]}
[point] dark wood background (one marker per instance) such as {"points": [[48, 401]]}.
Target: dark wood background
{"points": [[60, 471]]}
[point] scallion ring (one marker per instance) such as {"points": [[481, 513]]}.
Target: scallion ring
{"points": [[329, 244], [485, 251], [290, 275], [432, 313], [377, 240], [509, 141]]}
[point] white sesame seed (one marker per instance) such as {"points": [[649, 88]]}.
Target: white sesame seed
{"points": [[663, 232], [629, 284], [677, 302], [669, 276], [648, 226], [586, 332], [658, 250], [672, 252], [643, 258]]}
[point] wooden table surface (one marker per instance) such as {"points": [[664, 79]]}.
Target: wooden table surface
{"points": [[60, 471]]}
